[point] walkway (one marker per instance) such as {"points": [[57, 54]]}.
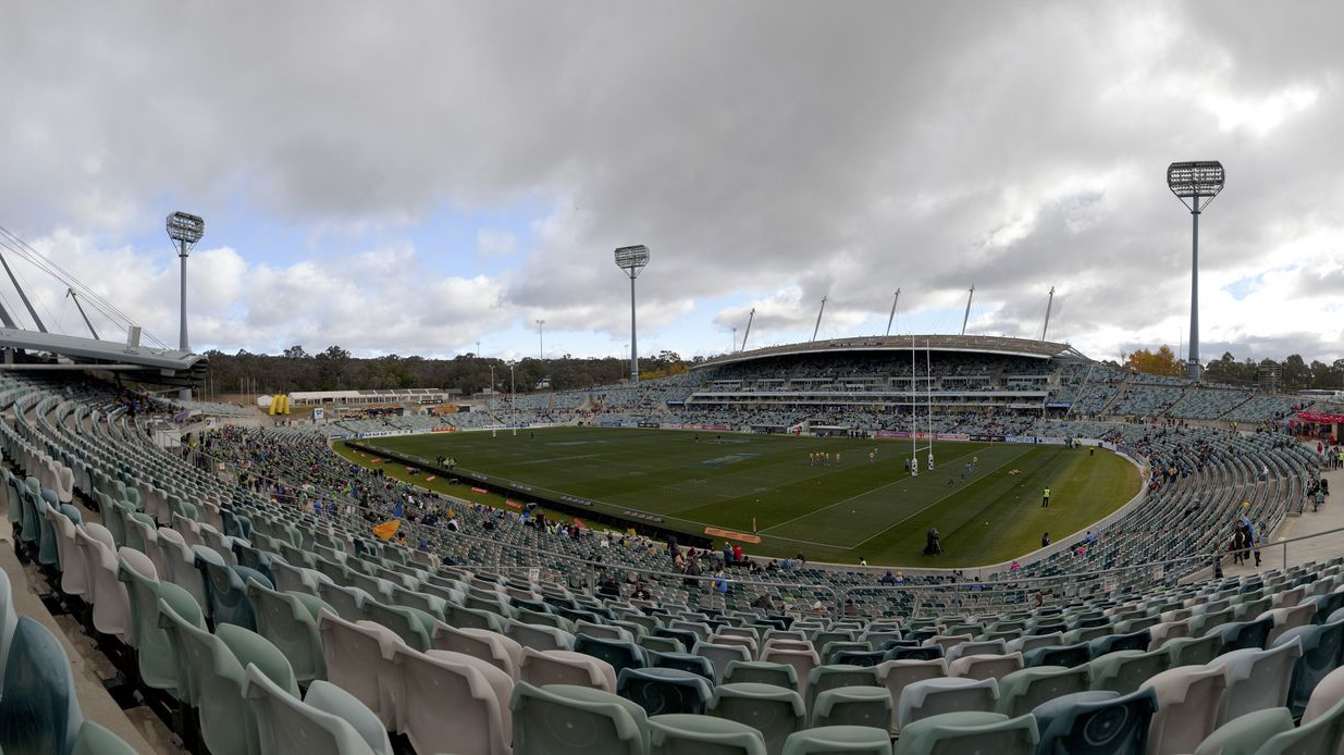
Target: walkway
{"points": [[1330, 517]]}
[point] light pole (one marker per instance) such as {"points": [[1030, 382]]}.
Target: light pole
{"points": [[185, 229], [541, 343], [631, 260], [1195, 184]]}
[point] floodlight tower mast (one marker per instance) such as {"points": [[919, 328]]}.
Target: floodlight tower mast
{"points": [[631, 260], [185, 229], [1195, 184]]}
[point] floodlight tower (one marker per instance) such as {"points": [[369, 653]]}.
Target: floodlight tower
{"points": [[185, 229], [631, 260], [1195, 184]]}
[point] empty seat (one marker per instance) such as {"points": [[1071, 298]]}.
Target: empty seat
{"points": [[158, 668], [1058, 655], [664, 690], [839, 740], [852, 706], [1124, 671], [773, 711], [683, 661], [39, 712], [565, 720], [111, 604], [1112, 642], [1189, 700], [476, 693], [289, 621], [684, 734], [970, 732], [1023, 691], [985, 666], [833, 676], [919, 653], [327, 720], [1256, 679], [945, 695], [494, 648], [1235, 635], [356, 655], [762, 672], [618, 653], [1193, 651], [1322, 646], [566, 667], [539, 636], [1099, 722]]}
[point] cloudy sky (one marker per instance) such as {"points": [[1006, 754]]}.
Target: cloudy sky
{"points": [[417, 177]]}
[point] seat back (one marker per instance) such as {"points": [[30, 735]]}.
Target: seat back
{"points": [[39, 711], [564, 720], [1257, 679], [1023, 691], [1322, 646], [1189, 701], [1096, 723], [285, 724]]}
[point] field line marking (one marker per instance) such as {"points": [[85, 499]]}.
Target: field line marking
{"points": [[846, 500], [940, 500]]}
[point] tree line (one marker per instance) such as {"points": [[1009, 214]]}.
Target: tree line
{"points": [[1292, 374], [336, 369]]}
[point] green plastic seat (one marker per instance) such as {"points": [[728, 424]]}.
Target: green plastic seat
{"points": [[1244, 735], [1021, 691], [1124, 671], [413, 626], [689, 734], [159, 669], [215, 672], [971, 732], [852, 706], [762, 672], [775, 712], [662, 644], [561, 719], [839, 740], [833, 676], [1319, 734], [1193, 651], [288, 620]]}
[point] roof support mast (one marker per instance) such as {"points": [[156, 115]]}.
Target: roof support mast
{"points": [[1048, 304], [892, 316], [966, 318], [71, 293], [817, 327], [37, 320], [750, 317]]}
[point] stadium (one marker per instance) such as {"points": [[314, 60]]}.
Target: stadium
{"points": [[923, 540]]}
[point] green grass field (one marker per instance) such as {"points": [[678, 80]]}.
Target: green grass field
{"points": [[842, 512]]}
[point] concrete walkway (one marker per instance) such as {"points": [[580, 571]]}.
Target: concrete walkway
{"points": [[1325, 547]]}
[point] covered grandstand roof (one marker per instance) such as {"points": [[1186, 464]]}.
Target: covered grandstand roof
{"points": [[90, 351], [1021, 347]]}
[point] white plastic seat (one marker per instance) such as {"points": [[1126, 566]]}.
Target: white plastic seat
{"points": [[1288, 618], [803, 661], [111, 604], [180, 563], [327, 722], [476, 692], [1256, 679], [357, 655], [542, 667], [931, 697], [74, 573], [499, 650], [1189, 700], [985, 666], [721, 655]]}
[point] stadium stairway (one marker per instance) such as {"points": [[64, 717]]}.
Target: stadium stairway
{"points": [[1310, 523]]}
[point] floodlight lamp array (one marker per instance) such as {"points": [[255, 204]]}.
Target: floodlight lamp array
{"points": [[632, 258], [185, 227], [1198, 182]]}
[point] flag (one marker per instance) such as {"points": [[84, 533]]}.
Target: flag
{"points": [[387, 529]]}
